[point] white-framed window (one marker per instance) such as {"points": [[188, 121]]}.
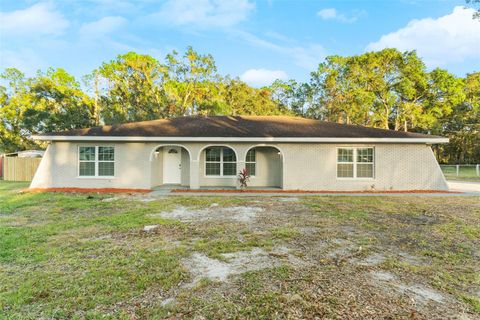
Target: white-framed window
{"points": [[220, 161], [251, 162], [356, 162], [96, 161]]}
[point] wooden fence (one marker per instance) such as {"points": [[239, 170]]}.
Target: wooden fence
{"points": [[19, 169]]}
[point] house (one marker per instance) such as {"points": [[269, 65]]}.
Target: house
{"points": [[290, 153]]}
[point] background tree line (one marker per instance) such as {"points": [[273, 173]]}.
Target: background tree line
{"points": [[384, 89]]}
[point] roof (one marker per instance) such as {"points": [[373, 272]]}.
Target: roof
{"points": [[231, 128]]}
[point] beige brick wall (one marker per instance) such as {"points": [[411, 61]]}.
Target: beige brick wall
{"points": [[307, 166]]}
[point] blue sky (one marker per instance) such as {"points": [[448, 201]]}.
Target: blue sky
{"points": [[255, 40]]}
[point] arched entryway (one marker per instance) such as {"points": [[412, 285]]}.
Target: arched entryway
{"points": [[170, 166], [265, 166]]}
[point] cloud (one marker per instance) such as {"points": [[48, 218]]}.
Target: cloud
{"points": [[305, 56], [333, 14], [205, 13], [262, 77], [39, 19], [452, 38], [102, 27], [24, 59]]}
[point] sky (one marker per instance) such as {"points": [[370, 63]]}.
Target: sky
{"points": [[256, 40]]}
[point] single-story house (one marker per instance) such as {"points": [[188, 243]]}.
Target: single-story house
{"points": [[195, 152]]}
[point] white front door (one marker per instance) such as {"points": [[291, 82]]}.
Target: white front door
{"points": [[172, 165]]}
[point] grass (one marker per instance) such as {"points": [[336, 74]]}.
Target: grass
{"points": [[75, 256], [465, 173]]}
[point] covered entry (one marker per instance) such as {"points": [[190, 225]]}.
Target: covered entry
{"points": [[171, 166], [265, 166]]}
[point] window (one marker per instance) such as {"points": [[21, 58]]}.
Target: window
{"points": [[250, 162], [355, 163], [96, 161], [365, 163], [87, 161], [220, 161]]}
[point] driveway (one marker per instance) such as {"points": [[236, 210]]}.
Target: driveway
{"points": [[464, 186]]}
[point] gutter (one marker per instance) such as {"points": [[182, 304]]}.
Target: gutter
{"points": [[239, 139]]}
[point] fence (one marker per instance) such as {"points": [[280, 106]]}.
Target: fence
{"points": [[462, 172], [19, 169]]}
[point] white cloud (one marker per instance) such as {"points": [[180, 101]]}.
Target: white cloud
{"points": [[452, 38], [24, 59], [327, 14], [262, 77], [333, 14], [205, 13], [102, 27], [308, 57], [39, 19], [305, 56]]}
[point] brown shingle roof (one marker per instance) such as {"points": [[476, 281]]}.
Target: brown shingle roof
{"points": [[239, 126]]}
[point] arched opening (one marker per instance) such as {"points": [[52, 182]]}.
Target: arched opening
{"points": [[265, 166], [218, 166], [170, 166]]}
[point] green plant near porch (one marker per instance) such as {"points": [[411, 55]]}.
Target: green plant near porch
{"points": [[243, 178]]}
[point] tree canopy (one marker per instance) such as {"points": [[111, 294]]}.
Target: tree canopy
{"points": [[384, 89]]}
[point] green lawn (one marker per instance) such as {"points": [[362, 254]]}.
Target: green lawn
{"points": [[77, 256], [464, 174]]}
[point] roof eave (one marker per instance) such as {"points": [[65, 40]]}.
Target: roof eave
{"points": [[429, 140]]}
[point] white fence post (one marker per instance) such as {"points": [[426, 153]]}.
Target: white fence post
{"points": [[458, 169], [478, 170]]}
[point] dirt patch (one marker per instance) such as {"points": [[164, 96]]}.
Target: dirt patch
{"points": [[201, 266], [418, 292], [291, 199], [240, 214], [371, 260]]}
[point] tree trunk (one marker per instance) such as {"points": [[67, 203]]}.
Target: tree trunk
{"points": [[96, 111]]}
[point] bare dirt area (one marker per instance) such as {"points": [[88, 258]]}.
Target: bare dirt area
{"points": [[311, 259]]}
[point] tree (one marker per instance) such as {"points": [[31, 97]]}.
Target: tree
{"points": [[134, 89], [476, 5], [463, 126], [14, 101], [291, 95], [382, 89], [337, 95], [445, 92], [238, 98], [56, 103], [92, 84], [190, 80]]}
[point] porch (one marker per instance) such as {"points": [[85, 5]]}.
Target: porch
{"points": [[178, 166]]}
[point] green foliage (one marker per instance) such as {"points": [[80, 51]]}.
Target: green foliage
{"points": [[133, 90], [386, 89], [57, 103]]}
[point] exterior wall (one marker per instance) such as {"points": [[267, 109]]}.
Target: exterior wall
{"points": [[306, 166], [185, 168], [397, 167], [59, 167], [268, 168], [157, 168]]}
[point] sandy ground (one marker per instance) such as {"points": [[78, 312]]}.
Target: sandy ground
{"points": [[317, 247]]}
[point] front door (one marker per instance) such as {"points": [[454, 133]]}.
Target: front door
{"points": [[172, 165]]}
